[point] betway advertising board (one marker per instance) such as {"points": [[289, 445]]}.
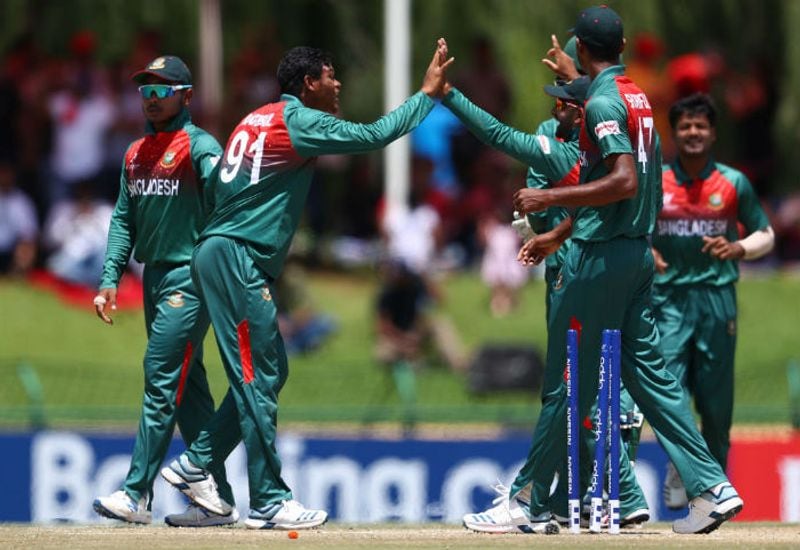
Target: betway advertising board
{"points": [[55, 476]]}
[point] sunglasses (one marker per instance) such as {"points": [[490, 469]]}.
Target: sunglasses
{"points": [[161, 91], [563, 104]]}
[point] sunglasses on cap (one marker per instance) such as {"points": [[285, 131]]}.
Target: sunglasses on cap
{"points": [[564, 103], [161, 91]]}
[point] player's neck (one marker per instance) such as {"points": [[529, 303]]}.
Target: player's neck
{"points": [[693, 166]]}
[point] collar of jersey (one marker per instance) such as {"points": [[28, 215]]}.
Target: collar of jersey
{"points": [[684, 179], [290, 97], [605, 75], [181, 119]]}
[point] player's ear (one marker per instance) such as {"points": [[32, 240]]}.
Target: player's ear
{"points": [[187, 97], [310, 83]]}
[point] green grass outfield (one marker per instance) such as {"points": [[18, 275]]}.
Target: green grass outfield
{"points": [[90, 373], [377, 537]]}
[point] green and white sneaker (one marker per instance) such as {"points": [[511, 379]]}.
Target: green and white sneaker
{"points": [[710, 510], [509, 515], [288, 514], [197, 484], [119, 505]]}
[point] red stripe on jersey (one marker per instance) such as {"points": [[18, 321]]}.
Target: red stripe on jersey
{"points": [[712, 198], [572, 177], [641, 127], [262, 137], [187, 357], [245, 352]]}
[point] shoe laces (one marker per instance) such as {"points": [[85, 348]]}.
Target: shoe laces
{"points": [[502, 492], [292, 506]]}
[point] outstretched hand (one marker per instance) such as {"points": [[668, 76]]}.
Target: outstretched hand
{"points": [[561, 64], [435, 78]]}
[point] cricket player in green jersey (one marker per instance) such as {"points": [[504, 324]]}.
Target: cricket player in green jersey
{"points": [[697, 249], [158, 217], [557, 161], [256, 206], [606, 280]]}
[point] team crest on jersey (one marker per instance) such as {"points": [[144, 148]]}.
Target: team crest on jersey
{"points": [[158, 63], [176, 300], [668, 198], [265, 294], [715, 201], [168, 160]]}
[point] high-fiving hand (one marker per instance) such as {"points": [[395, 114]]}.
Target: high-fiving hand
{"points": [[435, 78]]}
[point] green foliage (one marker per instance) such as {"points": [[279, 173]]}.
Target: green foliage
{"points": [[91, 373]]}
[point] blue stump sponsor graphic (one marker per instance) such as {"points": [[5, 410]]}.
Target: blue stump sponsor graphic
{"points": [[55, 476]]}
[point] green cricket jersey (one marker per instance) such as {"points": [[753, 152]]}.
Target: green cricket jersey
{"points": [[550, 218], [618, 119], [159, 212], [268, 163], [553, 163], [711, 205]]}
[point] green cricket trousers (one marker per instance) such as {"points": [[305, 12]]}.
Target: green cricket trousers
{"points": [[175, 385], [697, 324], [244, 315]]}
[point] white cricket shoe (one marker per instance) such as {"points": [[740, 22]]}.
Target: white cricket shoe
{"points": [[509, 515], [673, 491], [710, 510], [197, 484], [120, 506], [197, 516], [289, 514]]}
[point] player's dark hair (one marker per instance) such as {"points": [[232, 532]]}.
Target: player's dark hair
{"points": [[299, 62], [697, 104]]}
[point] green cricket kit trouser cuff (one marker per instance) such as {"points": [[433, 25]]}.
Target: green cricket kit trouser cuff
{"points": [[238, 298], [176, 389]]}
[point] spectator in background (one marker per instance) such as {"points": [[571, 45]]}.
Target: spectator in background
{"points": [[414, 235], [19, 227], [75, 234], [303, 327], [433, 139], [500, 270], [414, 238], [27, 74], [82, 113], [483, 81]]}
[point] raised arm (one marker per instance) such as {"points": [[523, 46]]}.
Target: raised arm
{"points": [[315, 133]]}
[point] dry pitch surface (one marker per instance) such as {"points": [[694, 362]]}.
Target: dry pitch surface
{"points": [[338, 536]]}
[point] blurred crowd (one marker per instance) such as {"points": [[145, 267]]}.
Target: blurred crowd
{"points": [[68, 120]]}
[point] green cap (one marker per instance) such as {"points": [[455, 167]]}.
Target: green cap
{"points": [[574, 91], [572, 50], [168, 67], [599, 27]]}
